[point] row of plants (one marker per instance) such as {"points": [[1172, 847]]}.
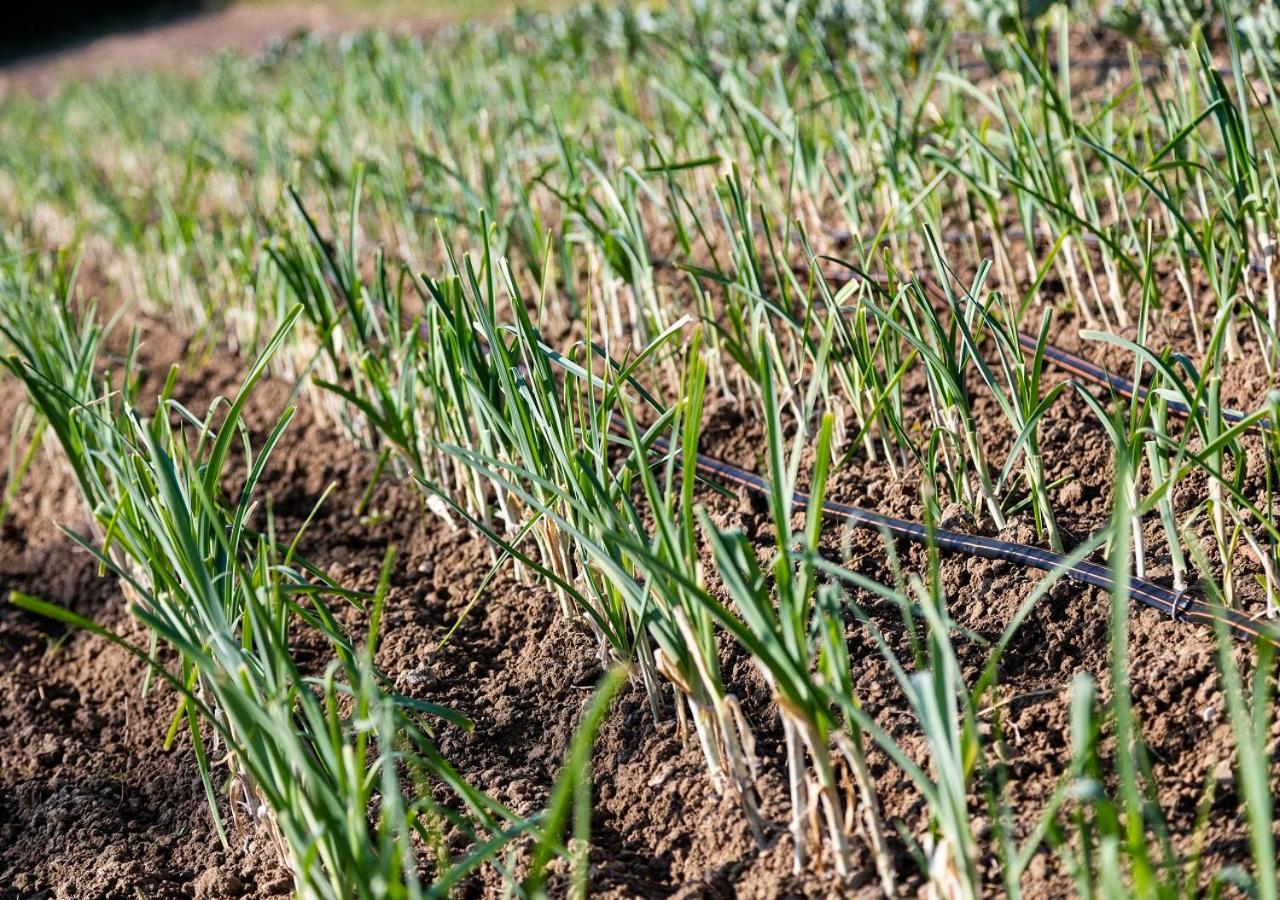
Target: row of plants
{"points": [[754, 215], [337, 768]]}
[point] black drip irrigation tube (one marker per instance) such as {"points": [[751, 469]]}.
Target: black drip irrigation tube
{"points": [[1182, 605]]}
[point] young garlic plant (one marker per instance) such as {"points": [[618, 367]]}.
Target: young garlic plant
{"points": [[1210, 443], [858, 365], [1018, 392], [628, 532], [947, 360], [779, 623], [361, 345], [305, 766]]}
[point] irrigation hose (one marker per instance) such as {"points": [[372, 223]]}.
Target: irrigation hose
{"points": [[1179, 605], [1069, 362], [1096, 374]]}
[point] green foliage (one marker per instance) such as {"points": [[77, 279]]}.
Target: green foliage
{"points": [[519, 264]]}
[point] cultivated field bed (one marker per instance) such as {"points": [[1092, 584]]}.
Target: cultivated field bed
{"points": [[417, 460]]}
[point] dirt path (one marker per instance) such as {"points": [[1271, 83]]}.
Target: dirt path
{"points": [[189, 42]]}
